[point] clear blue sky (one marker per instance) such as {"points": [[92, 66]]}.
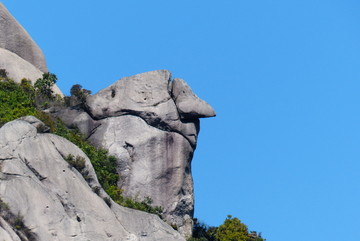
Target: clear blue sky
{"points": [[283, 154]]}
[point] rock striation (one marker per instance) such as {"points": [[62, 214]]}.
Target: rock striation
{"points": [[150, 123], [53, 198]]}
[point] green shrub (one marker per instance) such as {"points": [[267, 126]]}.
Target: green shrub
{"points": [[14, 102], [231, 230], [79, 93], [3, 74], [77, 162], [44, 85]]}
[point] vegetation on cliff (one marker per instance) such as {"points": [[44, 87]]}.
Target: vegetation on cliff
{"points": [[231, 230], [23, 99]]}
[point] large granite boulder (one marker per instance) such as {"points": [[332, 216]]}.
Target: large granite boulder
{"points": [[53, 198], [151, 124], [18, 68], [14, 38], [19, 54]]}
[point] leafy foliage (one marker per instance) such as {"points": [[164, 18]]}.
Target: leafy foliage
{"points": [[3, 74], [79, 92], [202, 232], [15, 102], [231, 230], [77, 162], [44, 85]]}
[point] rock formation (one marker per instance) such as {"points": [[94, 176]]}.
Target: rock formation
{"points": [[14, 38], [148, 121], [53, 198], [151, 124], [19, 54]]}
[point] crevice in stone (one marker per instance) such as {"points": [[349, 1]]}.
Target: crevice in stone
{"points": [[130, 149], [32, 169], [12, 175], [9, 158], [68, 207], [93, 131], [160, 126], [61, 154], [156, 123], [162, 101]]}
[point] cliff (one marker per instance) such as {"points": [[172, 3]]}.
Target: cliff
{"points": [[149, 122], [53, 200]]}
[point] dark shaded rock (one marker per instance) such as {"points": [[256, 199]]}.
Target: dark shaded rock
{"points": [[76, 117]]}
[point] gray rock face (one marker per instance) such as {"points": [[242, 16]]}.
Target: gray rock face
{"points": [[151, 124], [19, 54], [19, 68], [55, 200], [14, 38], [152, 163], [76, 117], [188, 104]]}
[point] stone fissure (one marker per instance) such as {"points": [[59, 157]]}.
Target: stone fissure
{"points": [[93, 130], [168, 130], [32, 169]]}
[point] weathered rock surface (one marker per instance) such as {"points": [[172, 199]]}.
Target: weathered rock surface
{"points": [[76, 117], [14, 38], [153, 163], [19, 54], [55, 200], [17, 67], [188, 104], [151, 124], [6, 231]]}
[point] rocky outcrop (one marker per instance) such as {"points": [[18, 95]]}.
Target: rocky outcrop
{"points": [[53, 198], [149, 121], [18, 68], [14, 38], [151, 124], [19, 54], [188, 104]]}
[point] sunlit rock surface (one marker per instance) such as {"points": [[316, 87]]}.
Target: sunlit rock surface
{"points": [[151, 124], [55, 201]]}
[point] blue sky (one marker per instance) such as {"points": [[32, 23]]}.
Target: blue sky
{"points": [[283, 76]]}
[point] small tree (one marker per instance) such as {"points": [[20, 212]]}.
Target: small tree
{"points": [[232, 230], [79, 93], [44, 85]]}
